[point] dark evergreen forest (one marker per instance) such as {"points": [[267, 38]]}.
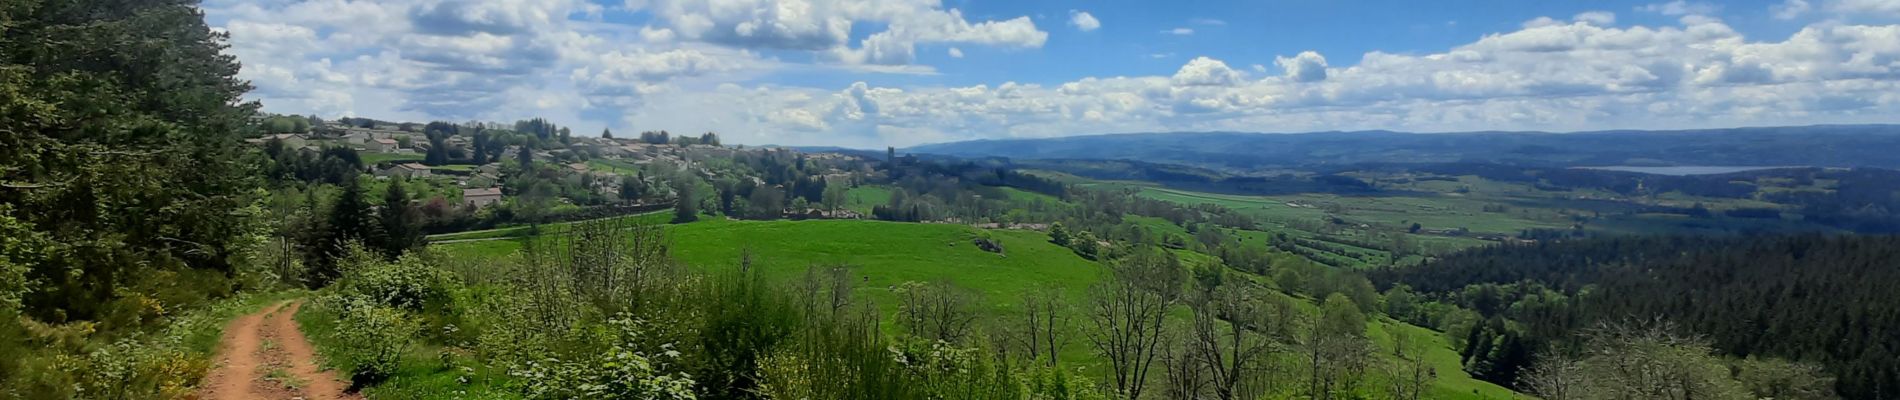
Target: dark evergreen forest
{"points": [[1824, 299]]}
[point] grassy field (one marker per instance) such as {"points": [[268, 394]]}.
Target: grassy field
{"points": [[862, 198], [882, 253], [1428, 210], [1452, 382], [1476, 206], [1159, 227], [1027, 196], [886, 254]]}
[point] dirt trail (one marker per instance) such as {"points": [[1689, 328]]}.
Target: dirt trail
{"points": [[265, 356]]}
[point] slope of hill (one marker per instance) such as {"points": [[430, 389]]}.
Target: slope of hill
{"points": [[1823, 145], [1815, 298], [886, 254]]}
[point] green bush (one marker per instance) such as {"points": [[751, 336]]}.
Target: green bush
{"points": [[1048, 383], [75, 361], [370, 339], [620, 373], [408, 283]]}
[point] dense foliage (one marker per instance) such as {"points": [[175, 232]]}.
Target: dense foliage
{"points": [[1823, 299], [124, 194]]}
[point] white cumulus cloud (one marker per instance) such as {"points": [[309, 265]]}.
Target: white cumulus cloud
{"points": [[1680, 7], [712, 65], [1879, 8], [1790, 9], [1308, 66], [1083, 21], [1599, 18], [1203, 71], [825, 26]]}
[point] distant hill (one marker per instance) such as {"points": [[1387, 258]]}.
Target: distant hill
{"points": [[1821, 145]]}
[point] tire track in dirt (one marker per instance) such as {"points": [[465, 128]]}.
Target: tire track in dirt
{"points": [[264, 355], [231, 377]]}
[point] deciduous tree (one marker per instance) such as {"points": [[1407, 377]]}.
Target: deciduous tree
{"points": [[1128, 311]]}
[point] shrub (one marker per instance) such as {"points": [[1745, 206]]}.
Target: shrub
{"points": [[1049, 383], [987, 243], [407, 284], [130, 369], [77, 361], [370, 339], [946, 371], [620, 373]]}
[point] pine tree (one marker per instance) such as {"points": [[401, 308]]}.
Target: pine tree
{"points": [[351, 220], [438, 153], [401, 223], [119, 152], [480, 145]]}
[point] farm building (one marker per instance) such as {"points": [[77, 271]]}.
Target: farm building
{"points": [[408, 170], [381, 145], [483, 197]]}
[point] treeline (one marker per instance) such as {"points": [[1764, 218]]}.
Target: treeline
{"points": [[127, 204], [332, 165], [1200, 179], [1819, 299], [664, 137], [1095, 224], [1858, 199], [765, 184], [1861, 200], [931, 191], [275, 124]]}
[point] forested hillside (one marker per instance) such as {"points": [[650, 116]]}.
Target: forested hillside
{"points": [[1822, 299], [126, 199]]}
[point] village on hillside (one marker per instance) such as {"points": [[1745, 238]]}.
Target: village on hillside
{"points": [[473, 156]]}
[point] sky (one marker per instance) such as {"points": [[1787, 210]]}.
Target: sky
{"points": [[874, 73]]}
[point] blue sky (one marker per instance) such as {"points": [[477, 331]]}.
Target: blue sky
{"points": [[871, 73]]}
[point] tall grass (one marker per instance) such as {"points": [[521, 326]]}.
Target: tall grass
{"points": [[601, 310]]}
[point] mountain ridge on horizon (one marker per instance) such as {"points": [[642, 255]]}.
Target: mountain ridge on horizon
{"points": [[1833, 145], [1894, 126]]}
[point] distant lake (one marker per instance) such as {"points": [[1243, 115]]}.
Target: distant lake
{"points": [[1682, 170]]}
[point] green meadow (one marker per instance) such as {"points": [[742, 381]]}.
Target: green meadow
{"points": [[886, 254], [862, 198]]}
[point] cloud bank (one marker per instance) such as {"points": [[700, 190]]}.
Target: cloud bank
{"points": [[695, 66]]}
